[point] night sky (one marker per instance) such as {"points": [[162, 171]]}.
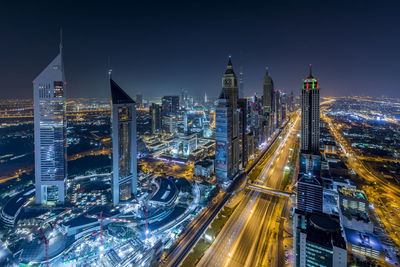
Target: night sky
{"points": [[159, 47]]}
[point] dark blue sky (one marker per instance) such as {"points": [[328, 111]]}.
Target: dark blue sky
{"points": [[159, 47]]}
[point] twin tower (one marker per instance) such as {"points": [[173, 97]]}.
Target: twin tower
{"points": [[49, 90]]}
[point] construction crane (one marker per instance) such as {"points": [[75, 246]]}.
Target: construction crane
{"points": [[101, 218], [46, 243]]}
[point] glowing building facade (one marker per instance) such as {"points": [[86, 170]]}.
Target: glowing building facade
{"points": [[227, 147], [124, 180], [268, 91], [310, 115], [49, 92]]}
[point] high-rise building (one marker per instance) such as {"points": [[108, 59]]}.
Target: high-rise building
{"points": [[310, 115], [139, 100], [242, 105], [277, 108], [183, 98], [49, 93], [170, 105], [227, 127], [310, 193], [124, 180], [318, 240], [268, 114], [290, 102], [156, 118], [169, 124], [223, 140], [230, 86], [241, 83], [309, 183], [283, 106], [231, 92], [268, 90]]}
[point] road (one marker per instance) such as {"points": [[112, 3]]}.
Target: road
{"points": [[192, 233], [249, 236]]}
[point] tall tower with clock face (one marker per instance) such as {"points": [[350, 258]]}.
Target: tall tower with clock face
{"points": [[227, 128], [230, 85]]}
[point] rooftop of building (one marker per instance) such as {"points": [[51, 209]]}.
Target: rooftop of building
{"points": [[364, 239], [329, 143], [331, 156], [204, 163], [118, 96], [324, 229], [309, 179], [355, 214], [310, 164], [353, 193], [337, 165], [321, 229], [187, 135]]}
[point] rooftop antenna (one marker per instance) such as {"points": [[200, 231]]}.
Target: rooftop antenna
{"points": [[109, 68], [61, 55], [310, 76], [61, 40]]}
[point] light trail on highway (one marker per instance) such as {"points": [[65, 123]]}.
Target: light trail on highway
{"points": [[239, 243]]}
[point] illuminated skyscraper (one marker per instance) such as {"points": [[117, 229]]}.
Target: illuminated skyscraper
{"points": [[268, 114], [310, 115], [309, 183], [223, 140], [242, 105], [156, 117], [268, 90], [139, 100], [277, 108], [241, 83], [124, 180], [49, 93], [170, 105], [227, 127]]}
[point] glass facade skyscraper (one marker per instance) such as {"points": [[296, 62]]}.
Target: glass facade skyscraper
{"points": [[124, 180], [227, 147], [310, 115], [49, 92], [223, 141]]}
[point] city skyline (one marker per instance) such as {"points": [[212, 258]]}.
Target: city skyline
{"points": [[149, 42], [188, 171]]}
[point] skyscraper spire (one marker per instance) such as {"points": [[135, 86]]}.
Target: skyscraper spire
{"points": [[109, 68], [229, 67], [310, 76], [61, 41]]}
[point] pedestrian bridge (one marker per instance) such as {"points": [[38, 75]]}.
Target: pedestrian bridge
{"points": [[269, 190]]}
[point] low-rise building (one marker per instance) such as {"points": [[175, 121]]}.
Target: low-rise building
{"points": [[364, 244], [353, 209], [204, 168]]}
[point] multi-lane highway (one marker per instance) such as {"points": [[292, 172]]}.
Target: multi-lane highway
{"points": [[250, 235]]}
